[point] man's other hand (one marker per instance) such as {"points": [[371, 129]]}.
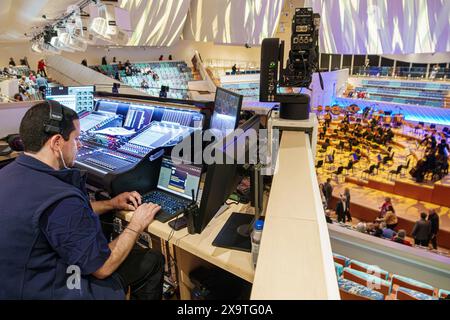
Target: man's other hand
{"points": [[143, 216], [127, 201]]}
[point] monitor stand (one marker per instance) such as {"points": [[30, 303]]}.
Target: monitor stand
{"points": [[235, 233]]}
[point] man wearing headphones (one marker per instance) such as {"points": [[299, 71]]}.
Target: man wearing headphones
{"points": [[51, 242]]}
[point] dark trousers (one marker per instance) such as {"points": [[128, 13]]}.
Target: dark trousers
{"points": [[423, 243], [341, 217], [143, 272], [348, 215], [434, 241]]}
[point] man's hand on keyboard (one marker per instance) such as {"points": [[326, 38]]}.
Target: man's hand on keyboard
{"points": [[127, 201], [143, 216]]}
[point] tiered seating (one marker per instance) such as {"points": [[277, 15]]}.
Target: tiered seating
{"points": [[430, 94], [174, 74], [250, 90], [361, 281]]}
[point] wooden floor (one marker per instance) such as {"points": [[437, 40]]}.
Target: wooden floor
{"points": [[405, 147]]}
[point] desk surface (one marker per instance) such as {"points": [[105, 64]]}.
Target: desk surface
{"points": [[9, 156], [200, 245]]}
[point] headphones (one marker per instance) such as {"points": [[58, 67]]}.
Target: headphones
{"points": [[56, 117]]}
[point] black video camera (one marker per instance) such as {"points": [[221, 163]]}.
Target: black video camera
{"points": [[304, 53]]}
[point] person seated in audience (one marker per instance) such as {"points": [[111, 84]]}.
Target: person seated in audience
{"points": [[390, 219], [433, 142], [421, 231], [144, 84], [327, 117], [128, 71], [326, 144], [425, 140], [323, 133], [443, 148], [18, 97], [361, 227], [12, 63], [32, 77], [161, 57], [400, 238], [84, 62], [170, 57], [376, 230], [120, 66], [386, 232], [155, 76], [104, 63], [114, 60], [127, 63]]}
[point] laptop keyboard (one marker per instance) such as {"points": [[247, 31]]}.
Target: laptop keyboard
{"points": [[170, 206]]}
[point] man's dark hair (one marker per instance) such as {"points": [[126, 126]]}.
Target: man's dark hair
{"points": [[32, 125], [423, 215]]}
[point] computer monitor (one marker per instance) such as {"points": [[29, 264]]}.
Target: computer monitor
{"points": [[179, 179], [227, 108], [138, 117], [77, 98], [221, 178]]}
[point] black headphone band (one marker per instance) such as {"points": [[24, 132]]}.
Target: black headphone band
{"points": [[53, 126]]}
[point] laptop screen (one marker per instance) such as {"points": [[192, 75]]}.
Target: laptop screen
{"points": [[179, 179]]}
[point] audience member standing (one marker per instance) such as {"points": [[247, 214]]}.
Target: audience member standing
{"points": [[161, 57], [41, 68], [421, 231], [340, 209], [347, 204], [104, 63], [328, 191], [42, 84], [115, 87], [25, 62], [387, 206], [433, 217], [170, 57], [233, 69]]}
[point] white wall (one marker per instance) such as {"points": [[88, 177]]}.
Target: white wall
{"points": [[18, 51], [334, 84]]}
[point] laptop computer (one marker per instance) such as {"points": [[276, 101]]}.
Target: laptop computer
{"points": [[176, 185]]}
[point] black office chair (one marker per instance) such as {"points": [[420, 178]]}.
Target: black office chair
{"points": [[368, 172], [341, 146], [405, 167], [338, 172], [395, 172], [349, 166], [319, 164]]}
